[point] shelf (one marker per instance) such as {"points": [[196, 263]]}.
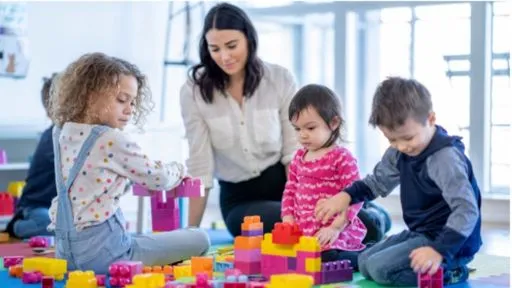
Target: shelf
{"points": [[14, 166]]}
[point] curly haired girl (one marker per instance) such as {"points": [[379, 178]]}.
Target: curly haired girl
{"points": [[91, 102]]}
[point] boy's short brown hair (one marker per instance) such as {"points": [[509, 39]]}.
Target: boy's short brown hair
{"points": [[397, 99]]}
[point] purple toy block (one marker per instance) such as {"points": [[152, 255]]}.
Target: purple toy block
{"points": [[190, 187], [292, 263], [249, 268], [300, 266], [250, 255], [3, 156], [431, 281], [336, 271], [251, 233], [31, 277], [271, 264], [12, 260]]}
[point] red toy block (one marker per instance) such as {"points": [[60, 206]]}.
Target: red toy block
{"points": [[286, 233], [431, 281], [101, 280], [6, 204], [47, 282], [235, 285]]}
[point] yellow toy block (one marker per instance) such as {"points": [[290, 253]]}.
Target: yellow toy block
{"points": [[309, 244], [150, 280], [15, 188], [182, 271], [269, 248], [290, 280], [314, 265], [48, 266], [79, 279]]}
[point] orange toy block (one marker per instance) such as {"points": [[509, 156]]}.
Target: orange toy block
{"points": [[4, 237], [202, 265], [248, 242], [286, 233], [16, 271], [252, 223]]}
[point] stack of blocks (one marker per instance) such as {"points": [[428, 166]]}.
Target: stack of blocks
{"points": [[248, 246], [165, 212], [287, 251]]}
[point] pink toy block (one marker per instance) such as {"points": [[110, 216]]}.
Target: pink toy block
{"points": [[336, 271], [256, 285], [12, 260], [202, 280], [190, 187], [122, 272], [31, 277], [431, 281], [139, 190], [47, 282], [271, 264], [251, 255], [38, 242], [101, 280], [249, 268], [165, 214]]}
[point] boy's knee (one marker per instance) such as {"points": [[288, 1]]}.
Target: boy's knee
{"points": [[378, 270]]}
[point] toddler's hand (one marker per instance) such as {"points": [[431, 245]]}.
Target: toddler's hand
{"points": [[425, 259], [327, 236]]}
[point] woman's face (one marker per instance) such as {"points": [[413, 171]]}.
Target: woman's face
{"points": [[228, 48]]}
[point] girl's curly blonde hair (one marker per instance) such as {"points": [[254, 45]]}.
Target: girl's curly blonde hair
{"points": [[91, 78]]}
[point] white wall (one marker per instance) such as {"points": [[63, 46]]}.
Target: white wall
{"points": [[60, 32]]}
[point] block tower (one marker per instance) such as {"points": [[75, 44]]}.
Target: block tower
{"points": [[248, 246], [165, 212]]}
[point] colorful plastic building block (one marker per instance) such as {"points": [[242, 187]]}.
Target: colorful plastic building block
{"points": [[12, 260], [222, 266], [181, 271], [15, 188], [6, 204], [80, 279], [190, 187], [431, 281], [122, 272], [101, 280], [16, 271], [31, 277], [47, 282], [248, 246], [286, 233], [3, 157], [150, 280], [337, 271], [290, 280], [202, 265], [38, 242], [49, 267]]}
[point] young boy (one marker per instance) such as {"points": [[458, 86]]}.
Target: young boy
{"points": [[438, 191], [31, 217]]}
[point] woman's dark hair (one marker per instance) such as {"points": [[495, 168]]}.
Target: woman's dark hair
{"points": [[324, 101], [207, 74]]}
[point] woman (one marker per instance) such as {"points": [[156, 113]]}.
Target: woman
{"points": [[234, 109]]}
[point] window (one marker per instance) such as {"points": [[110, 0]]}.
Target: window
{"points": [[501, 102], [431, 44], [276, 43], [318, 53]]}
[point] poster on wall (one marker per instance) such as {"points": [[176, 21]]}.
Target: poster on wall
{"points": [[14, 55]]}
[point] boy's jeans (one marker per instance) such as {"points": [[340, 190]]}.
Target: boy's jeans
{"points": [[388, 262], [33, 223]]}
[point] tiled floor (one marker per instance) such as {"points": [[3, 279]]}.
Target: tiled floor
{"points": [[496, 238]]}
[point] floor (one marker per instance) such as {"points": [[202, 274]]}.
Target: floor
{"points": [[496, 237]]}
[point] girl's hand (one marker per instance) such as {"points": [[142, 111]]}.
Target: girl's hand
{"points": [[288, 219], [327, 236]]}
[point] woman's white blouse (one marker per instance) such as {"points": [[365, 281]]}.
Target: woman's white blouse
{"points": [[236, 143]]}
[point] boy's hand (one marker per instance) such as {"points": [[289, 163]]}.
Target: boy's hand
{"points": [[288, 219], [326, 208], [327, 235], [425, 259]]}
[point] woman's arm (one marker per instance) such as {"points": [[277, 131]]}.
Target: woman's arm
{"points": [[200, 160], [290, 145]]}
